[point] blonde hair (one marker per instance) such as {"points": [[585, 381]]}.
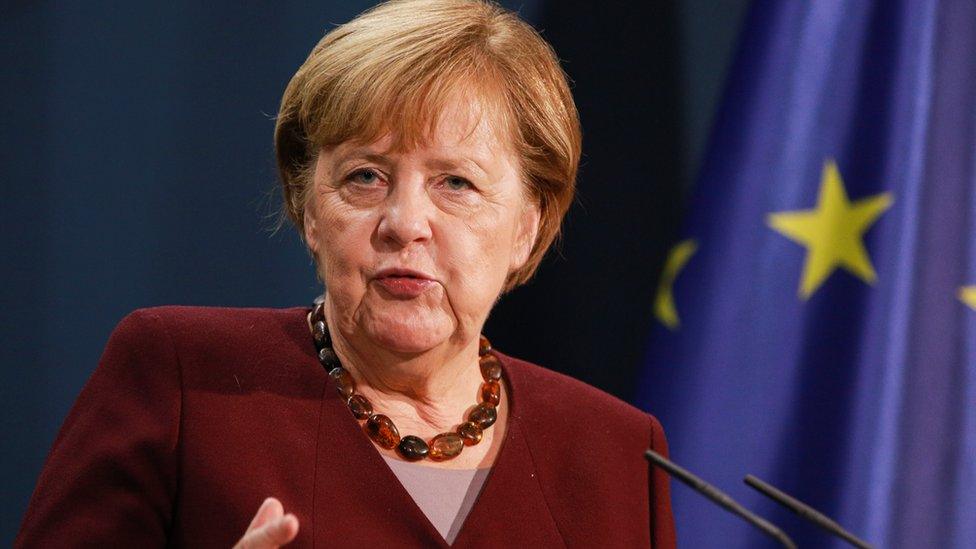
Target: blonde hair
{"points": [[399, 65]]}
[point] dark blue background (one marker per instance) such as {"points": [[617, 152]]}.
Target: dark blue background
{"points": [[137, 169]]}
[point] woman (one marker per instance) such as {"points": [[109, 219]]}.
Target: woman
{"points": [[428, 151]]}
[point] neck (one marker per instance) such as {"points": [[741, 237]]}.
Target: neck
{"points": [[425, 393]]}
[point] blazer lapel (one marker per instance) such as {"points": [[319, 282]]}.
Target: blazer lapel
{"points": [[358, 500], [511, 510]]}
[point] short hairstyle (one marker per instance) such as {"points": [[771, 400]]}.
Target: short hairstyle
{"points": [[400, 63]]}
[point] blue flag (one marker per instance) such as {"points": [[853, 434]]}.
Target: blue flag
{"points": [[817, 322]]}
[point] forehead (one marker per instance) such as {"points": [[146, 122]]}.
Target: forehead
{"points": [[467, 126]]}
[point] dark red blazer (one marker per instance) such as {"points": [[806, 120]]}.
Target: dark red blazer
{"points": [[195, 415]]}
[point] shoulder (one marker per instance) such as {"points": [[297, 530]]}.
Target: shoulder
{"points": [[190, 330], [220, 345], [561, 400], [190, 323]]}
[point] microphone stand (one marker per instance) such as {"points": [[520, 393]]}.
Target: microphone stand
{"points": [[718, 497], [805, 511]]}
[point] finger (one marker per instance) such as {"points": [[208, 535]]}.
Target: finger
{"points": [[272, 535], [270, 509]]}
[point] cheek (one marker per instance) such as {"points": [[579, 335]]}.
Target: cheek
{"points": [[343, 236], [477, 254]]}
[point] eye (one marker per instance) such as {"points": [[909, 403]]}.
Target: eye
{"points": [[456, 183], [365, 176]]}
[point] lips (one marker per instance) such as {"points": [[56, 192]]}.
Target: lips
{"points": [[403, 283]]}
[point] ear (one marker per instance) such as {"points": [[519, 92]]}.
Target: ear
{"points": [[311, 236], [310, 211], [309, 219], [525, 236]]}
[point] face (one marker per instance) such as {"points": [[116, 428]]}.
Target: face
{"points": [[415, 246]]}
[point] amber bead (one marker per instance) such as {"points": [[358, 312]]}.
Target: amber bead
{"points": [[484, 346], [343, 381], [491, 368], [445, 446], [360, 407], [328, 358], [470, 433], [382, 430], [491, 393], [321, 334], [483, 415], [412, 448]]}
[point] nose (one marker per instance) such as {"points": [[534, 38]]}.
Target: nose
{"points": [[407, 212]]}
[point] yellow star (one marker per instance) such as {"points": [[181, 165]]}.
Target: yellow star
{"points": [[832, 232], [967, 294], [664, 309]]}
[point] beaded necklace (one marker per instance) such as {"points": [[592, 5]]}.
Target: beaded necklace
{"points": [[381, 429]]}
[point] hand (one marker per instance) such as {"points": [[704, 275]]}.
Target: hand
{"points": [[270, 528]]}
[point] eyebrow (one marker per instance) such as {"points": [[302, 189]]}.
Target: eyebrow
{"points": [[449, 163], [361, 154], [446, 163]]}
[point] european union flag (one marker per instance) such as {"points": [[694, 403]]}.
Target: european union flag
{"points": [[818, 321]]}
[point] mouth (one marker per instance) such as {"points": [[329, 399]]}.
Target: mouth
{"points": [[403, 283], [403, 273]]}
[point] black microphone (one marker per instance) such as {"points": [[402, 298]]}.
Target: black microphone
{"points": [[719, 497], [805, 511]]}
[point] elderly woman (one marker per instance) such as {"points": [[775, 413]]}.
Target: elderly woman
{"points": [[428, 151]]}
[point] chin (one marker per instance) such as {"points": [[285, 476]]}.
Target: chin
{"points": [[408, 333], [407, 340]]}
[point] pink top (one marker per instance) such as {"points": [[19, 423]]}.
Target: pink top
{"points": [[444, 495]]}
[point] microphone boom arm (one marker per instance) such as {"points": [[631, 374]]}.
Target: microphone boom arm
{"points": [[719, 497], [805, 511]]}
